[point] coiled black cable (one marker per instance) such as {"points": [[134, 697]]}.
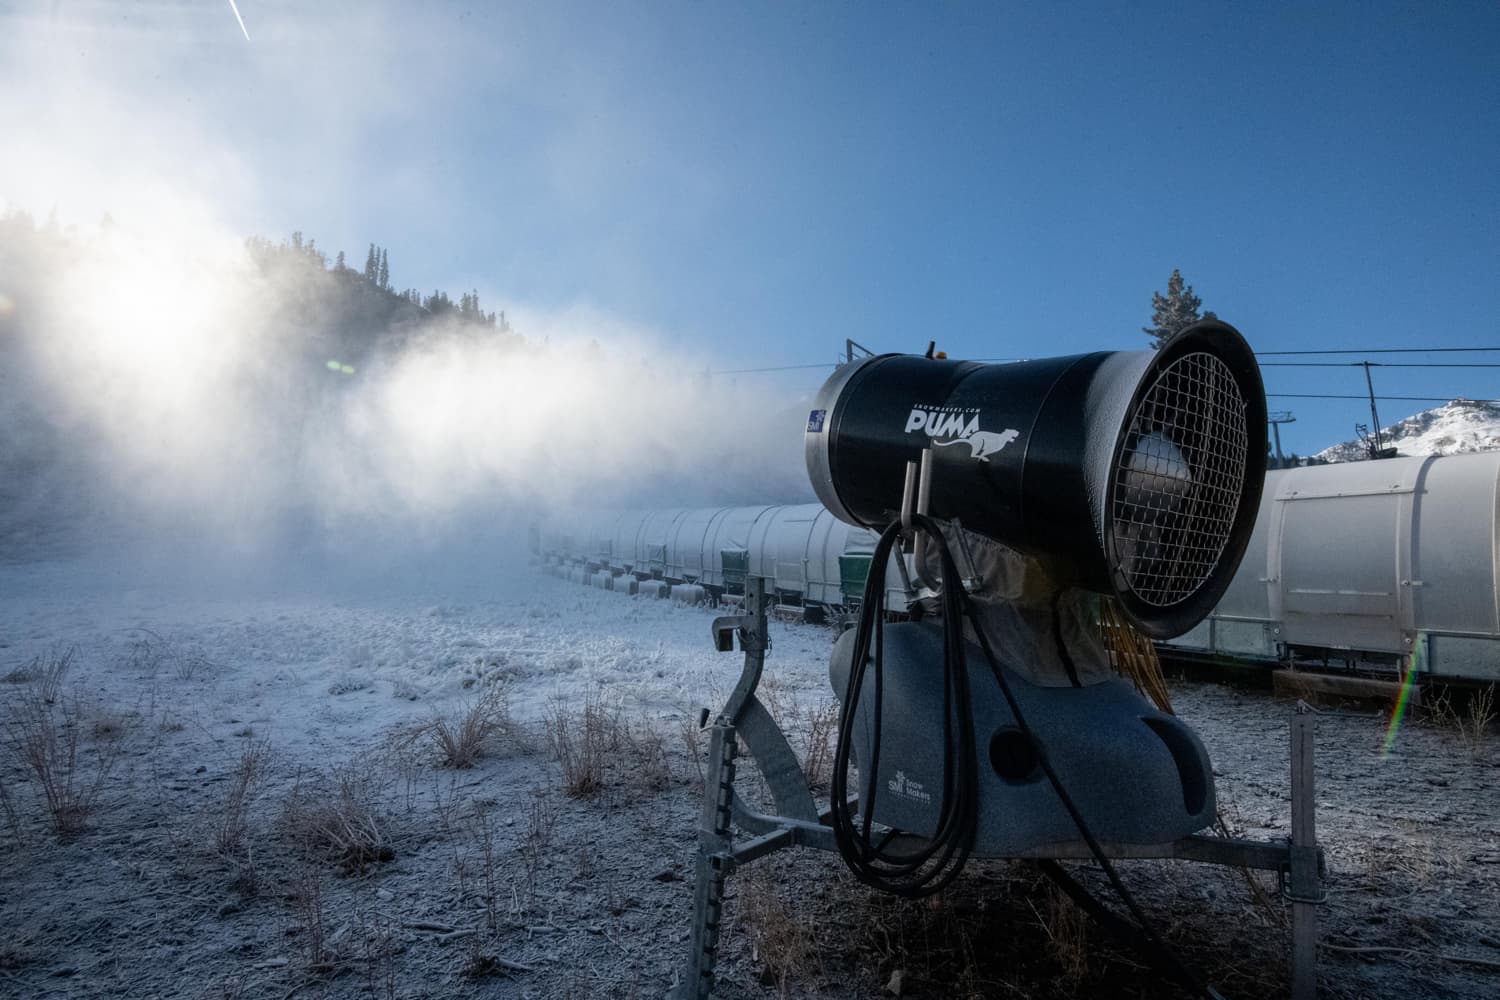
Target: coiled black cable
{"points": [[932, 865]]}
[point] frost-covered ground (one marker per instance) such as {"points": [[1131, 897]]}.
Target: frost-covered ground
{"points": [[191, 879], [325, 661]]}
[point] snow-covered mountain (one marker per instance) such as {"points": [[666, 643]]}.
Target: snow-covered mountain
{"points": [[1455, 428]]}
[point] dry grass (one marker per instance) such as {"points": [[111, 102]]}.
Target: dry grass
{"points": [[1478, 716], [229, 831], [810, 729], [581, 742], [378, 948], [541, 821], [44, 735], [149, 653], [1066, 927], [334, 816], [692, 741], [44, 675], [467, 735], [644, 748], [1472, 722], [598, 750], [306, 897], [781, 940], [12, 817], [482, 828]]}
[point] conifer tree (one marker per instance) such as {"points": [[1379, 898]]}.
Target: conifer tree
{"points": [[1173, 312], [338, 263], [372, 265], [385, 272]]}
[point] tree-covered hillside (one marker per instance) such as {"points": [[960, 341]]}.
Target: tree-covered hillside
{"points": [[111, 344]]}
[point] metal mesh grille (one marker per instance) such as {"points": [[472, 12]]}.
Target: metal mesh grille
{"points": [[1179, 481]]}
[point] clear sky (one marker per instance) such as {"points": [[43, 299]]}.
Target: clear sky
{"points": [[755, 182]]}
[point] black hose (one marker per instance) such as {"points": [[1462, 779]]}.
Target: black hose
{"points": [[931, 866]]}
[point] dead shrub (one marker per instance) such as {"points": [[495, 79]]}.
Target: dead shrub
{"points": [[464, 737], [334, 816], [44, 735], [581, 742]]}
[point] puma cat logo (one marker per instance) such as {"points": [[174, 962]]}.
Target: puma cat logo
{"points": [[983, 444]]}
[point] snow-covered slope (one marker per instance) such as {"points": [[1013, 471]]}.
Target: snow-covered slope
{"points": [[1455, 428]]}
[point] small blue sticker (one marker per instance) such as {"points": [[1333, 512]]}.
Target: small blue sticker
{"points": [[815, 421]]}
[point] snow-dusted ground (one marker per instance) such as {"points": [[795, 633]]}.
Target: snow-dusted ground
{"points": [[343, 659], [176, 680]]}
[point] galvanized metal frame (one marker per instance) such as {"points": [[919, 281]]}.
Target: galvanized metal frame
{"points": [[797, 822]]}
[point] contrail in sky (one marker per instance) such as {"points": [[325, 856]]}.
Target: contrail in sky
{"points": [[237, 17]]}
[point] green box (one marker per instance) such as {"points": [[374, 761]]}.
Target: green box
{"points": [[854, 570], [736, 563]]}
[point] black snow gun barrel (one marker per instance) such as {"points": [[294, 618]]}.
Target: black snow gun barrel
{"points": [[1139, 470]]}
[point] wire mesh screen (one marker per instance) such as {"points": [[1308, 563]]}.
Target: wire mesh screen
{"points": [[1180, 479]]}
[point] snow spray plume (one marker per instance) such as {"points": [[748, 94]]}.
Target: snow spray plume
{"points": [[457, 420], [191, 386]]}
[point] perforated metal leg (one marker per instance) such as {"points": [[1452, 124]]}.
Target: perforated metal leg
{"points": [[1304, 889], [715, 864]]}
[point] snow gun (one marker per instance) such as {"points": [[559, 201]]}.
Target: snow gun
{"points": [[1039, 514]]}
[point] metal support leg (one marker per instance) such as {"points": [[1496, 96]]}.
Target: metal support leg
{"points": [[1305, 889], [715, 863]]}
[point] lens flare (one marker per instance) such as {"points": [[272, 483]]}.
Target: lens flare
{"points": [[1413, 665]]}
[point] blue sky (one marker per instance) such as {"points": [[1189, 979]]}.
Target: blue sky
{"points": [[756, 182]]}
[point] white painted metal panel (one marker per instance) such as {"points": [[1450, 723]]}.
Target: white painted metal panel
{"points": [[1456, 565], [686, 547], [825, 543], [732, 531], [1343, 548], [778, 546], [655, 534]]}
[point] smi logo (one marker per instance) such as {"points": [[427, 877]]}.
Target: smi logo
{"points": [[906, 788], [959, 427]]}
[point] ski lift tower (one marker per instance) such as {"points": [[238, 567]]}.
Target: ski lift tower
{"points": [[1276, 418]]}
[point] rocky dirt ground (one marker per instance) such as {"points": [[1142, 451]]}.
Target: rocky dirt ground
{"points": [[201, 858]]}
